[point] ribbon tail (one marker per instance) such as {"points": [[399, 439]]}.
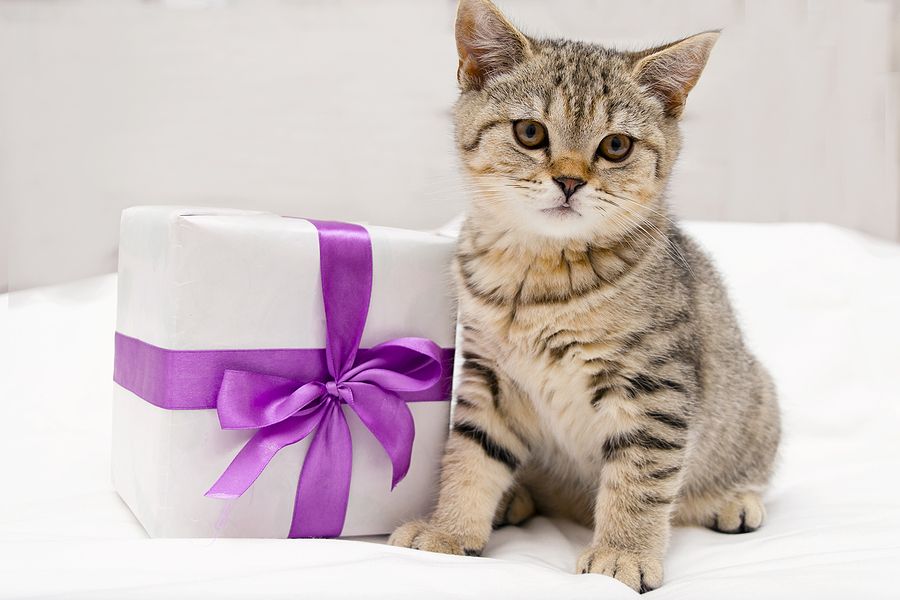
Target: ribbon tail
{"points": [[390, 421], [256, 454], [324, 486]]}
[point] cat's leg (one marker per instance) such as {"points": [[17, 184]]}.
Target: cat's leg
{"points": [[639, 484], [484, 451], [738, 511], [723, 488]]}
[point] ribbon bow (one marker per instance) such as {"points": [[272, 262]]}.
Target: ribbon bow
{"points": [[286, 411]]}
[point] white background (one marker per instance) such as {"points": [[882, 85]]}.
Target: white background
{"points": [[341, 109]]}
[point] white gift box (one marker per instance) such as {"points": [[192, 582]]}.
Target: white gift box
{"points": [[216, 279]]}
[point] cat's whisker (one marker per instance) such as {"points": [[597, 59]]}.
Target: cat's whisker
{"points": [[656, 234], [675, 253], [625, 199]]}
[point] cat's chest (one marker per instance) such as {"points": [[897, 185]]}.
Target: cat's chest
{"points": [[541, 373], [553, 352], [559, 389]]}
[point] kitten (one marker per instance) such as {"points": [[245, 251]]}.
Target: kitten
{"points": [[605, 377]]}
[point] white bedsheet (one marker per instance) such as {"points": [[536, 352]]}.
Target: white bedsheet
{"points": [[820, 305]]}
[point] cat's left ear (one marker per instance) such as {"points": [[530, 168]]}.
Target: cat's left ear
{"points": [[671, 71], [487, 43]]}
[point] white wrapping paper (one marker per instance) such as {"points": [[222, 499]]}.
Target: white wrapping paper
{"points": [[209, 279]]}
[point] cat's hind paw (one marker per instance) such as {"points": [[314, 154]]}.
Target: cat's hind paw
{"points": [[742, 514], [640, 572], [515, 508]]}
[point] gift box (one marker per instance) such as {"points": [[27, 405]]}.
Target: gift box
{"points": [[278, 377]]}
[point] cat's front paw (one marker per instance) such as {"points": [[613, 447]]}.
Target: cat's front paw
{"points": [[421, 535], [641, 572]]}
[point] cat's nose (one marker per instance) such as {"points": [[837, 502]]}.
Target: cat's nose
{"points": [[569, 185]]}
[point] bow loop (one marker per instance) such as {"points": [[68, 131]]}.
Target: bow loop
{"points": [[401, 365], [249, 400]]}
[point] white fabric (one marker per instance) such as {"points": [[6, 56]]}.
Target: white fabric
{"points": [[819, 305]]}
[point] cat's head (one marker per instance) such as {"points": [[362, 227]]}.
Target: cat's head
{"points": [[562, 139]]}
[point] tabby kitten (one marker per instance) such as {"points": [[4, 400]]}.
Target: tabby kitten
{"points": [[605, 377]]}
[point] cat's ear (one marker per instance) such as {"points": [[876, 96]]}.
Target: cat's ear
{"points": [[487, 43], [671, 71]]}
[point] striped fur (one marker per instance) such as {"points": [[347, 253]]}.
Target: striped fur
{"points": [[604, 377]]}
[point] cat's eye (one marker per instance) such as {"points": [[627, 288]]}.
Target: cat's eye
{"points": [[530, 134], [615, 147]]}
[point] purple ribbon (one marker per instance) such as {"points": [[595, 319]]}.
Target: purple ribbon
{"points": [[375, 383]]}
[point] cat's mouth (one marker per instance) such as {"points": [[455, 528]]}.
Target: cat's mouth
{"points": [[563, 210]]}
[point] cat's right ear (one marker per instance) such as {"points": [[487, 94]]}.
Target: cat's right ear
{"points": [[487, 43], [671, 71]]}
